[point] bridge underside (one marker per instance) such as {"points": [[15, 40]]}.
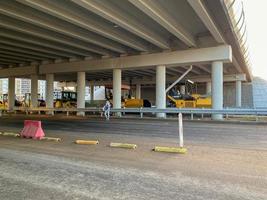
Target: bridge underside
{"points": [[136, 41]]}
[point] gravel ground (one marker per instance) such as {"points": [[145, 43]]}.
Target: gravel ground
{"points": [[224, 161]]}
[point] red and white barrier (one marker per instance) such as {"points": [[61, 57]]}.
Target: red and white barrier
{"points": [[32, 129]]}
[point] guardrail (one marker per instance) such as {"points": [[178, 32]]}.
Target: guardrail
{"points": [[202, 111]]}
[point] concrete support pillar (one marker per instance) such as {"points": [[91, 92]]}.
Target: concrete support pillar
{"points": [[160, 89], [49, 99], [92, 92], [138, 91], [238, 93], [182, 89], [34, 91], [208, 88], [117, 89], [217, 88], [11, 93], [81, 92]]}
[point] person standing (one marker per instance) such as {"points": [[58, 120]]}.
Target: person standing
{"points": [[106, 109]]}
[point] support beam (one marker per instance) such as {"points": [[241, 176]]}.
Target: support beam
{"points": [[161, 16], [49, 99], [117, 89], [54, 8], [18, 71], [160, 89], [32, 30], [11, 93], [81, 92], [199, 79], [34, 91], [203, 14], [238, 93], [204, 68], [138, 91], [28, 15], [38, 48], [124, 20], [45, 43], [217, 88], [185, 57]]}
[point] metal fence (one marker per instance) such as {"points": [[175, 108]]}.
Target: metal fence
{"points": [[141, 111]]}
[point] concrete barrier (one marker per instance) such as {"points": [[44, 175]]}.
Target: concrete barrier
{"points": [[32, 129]]}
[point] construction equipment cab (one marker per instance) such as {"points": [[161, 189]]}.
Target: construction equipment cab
{"points": [[188, 98], [65, 99], [127, 100]]}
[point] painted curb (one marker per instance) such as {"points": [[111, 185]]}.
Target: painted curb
{"points": [[180, 150], [51, 139], [88, 142], [10, 134], [123, 145]]}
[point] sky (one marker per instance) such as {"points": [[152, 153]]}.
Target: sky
{"points": [[256, 16]]}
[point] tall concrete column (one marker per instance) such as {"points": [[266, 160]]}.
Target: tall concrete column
{"points": [[34, 91], [92, 92], [208, 88], [138, 91], [11, 93], [217, 88], [81, 92], [182, 89], [117, 89], [160, 89], [238, 93], [49, 99]]}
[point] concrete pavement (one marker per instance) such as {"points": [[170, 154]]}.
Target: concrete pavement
{"points": [[225, 161]]}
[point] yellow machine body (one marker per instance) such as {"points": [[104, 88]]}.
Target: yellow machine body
{"points": [[134, 103], [198, 102]]}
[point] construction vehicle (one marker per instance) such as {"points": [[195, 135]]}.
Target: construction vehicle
{"points": [[27, 100], [3, 101], [65, 99], [191, 99], [126, 100]]}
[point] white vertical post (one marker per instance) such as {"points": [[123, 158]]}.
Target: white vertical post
{"points": [[181, 131], [81, 92], [11, 93], [160, 89], [208, 88], [117, 89], [49, 99], [217, 88], [138, 91], [34, 91], [238, 93]]}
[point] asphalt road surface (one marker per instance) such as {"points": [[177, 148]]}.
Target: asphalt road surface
{"points": [[224, 161]]}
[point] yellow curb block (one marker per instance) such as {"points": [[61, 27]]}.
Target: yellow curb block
{"points": [[10, 134], [180, 150], [51, 139], [87, 142], [123, 145]]}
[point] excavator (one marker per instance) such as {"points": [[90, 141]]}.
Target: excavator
{"points": [[127, 102]]}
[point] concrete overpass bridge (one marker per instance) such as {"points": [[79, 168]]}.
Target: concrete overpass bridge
{"points": [[147, 42]]}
